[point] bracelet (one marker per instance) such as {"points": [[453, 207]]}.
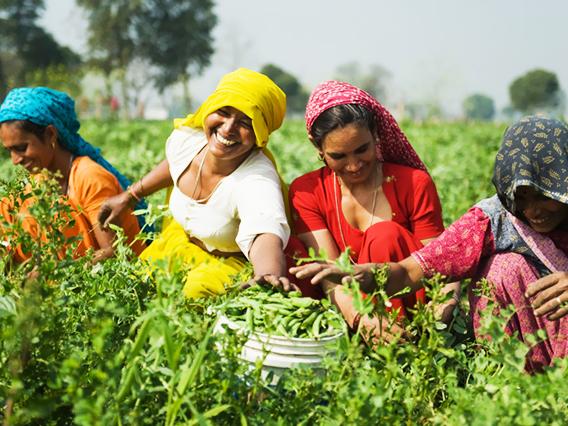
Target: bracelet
{"points": [[456, 297], [141, 186], [130, 190]]}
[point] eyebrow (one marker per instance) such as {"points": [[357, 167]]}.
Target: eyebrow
{"points": [[344, 153]]}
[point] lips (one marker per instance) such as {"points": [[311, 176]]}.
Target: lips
{"points": [[225, 141], [539, 222]]}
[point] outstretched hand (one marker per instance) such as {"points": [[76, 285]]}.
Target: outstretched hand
{"points": [[319, 272], [550, 295], [272, 280], [112, 209]]}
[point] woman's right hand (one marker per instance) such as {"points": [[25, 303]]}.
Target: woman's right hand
{"points": [[112, 209]]}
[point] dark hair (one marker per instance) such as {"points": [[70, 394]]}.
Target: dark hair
{"points": [[340, 116], [28, 126]]}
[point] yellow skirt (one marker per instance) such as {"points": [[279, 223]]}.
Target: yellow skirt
{"points": [[207, 274]]}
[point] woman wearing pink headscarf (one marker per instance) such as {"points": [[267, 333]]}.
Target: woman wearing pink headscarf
{"points": [[373, 195]]}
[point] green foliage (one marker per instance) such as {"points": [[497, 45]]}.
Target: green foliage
{"points": [[479, 107], [115, 344], [536, 90], [296, 95], [58, 77]]}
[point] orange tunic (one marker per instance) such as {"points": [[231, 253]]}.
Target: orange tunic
{"points": [[89, 186]]}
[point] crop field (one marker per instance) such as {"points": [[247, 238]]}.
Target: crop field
{"points": [[117, 344]]}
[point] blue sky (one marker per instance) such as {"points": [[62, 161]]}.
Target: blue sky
{"points": [[440, 50]]}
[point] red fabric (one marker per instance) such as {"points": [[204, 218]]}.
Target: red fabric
{"points": [[390, 242], [393, 145], [416, 216], [410, 192], [509, 275]]}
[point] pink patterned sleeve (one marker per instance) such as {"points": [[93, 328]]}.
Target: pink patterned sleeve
{"points": [[457, 251]]}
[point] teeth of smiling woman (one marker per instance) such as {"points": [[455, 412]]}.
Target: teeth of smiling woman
{"points": [[224, 141]]}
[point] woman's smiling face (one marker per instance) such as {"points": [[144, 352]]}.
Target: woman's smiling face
{"points": [[350, 152], [230, 133], [25, 148], [543, 214]]}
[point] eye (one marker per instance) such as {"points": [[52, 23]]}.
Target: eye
{"points": [[247, 124], [362, 149], [20, 149], [336, 156]]}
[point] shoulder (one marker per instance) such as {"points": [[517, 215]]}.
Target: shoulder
{"points": [[184, 138], [311, 180], [405, 173], [87, 170]]}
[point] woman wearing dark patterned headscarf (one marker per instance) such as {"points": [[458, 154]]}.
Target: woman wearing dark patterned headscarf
{"points": [[39, 127], [517, 240]]}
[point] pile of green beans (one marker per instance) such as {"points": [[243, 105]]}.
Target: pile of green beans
{"points": [[265, 310]]}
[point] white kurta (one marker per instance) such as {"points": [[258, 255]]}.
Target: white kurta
{"points": [[245, 204]]}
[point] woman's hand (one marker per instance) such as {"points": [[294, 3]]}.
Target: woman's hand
{"points": [[273, 280], [444, 311], [113, 208], [320, 272], [551, 295]]}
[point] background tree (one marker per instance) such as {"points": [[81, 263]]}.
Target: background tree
{"points": [[111, 40], [479, 107], [175, 36], [373, 80], [171, 37], [30, 55], [536, 90], [296, 95]]}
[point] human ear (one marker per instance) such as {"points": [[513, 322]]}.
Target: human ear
{"points": [[50, 135]]}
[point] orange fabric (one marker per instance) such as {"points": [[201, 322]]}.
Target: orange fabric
{"points": [[89, 186]]}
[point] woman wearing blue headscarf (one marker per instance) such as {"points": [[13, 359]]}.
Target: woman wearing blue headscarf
{"points": [[39, 127]]}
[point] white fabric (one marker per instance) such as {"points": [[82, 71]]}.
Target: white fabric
{"points": [[245, 204]]}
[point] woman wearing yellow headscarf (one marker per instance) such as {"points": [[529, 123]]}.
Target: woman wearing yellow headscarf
{"points": [[226, 202]]}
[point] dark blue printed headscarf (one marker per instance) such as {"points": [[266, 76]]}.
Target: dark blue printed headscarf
{"points": [[534, 153], [44, 106]]}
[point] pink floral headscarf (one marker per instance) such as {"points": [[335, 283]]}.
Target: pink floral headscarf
{"points": [[393, 145]]}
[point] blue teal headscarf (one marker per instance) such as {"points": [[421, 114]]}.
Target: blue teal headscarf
{"points": [[44, 106]]}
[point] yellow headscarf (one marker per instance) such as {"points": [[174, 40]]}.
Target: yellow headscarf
{"points": [[255, 95], [250, 92]]}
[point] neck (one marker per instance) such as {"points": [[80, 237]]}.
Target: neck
{"points": [[221, 167], [62, 163]]}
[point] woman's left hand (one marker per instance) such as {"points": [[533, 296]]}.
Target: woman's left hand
{"points": [[551, 295], [273, 280]]}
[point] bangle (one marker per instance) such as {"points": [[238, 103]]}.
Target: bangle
{"points": [[141, 187], [130, 190], [456, 297]]}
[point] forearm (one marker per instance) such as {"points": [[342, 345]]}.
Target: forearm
{"points": [[158, 178], [406, 273], [267, 256]]}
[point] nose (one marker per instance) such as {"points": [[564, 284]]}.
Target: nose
{"points": [[353, 165], [229, 125], [531, 209], [16, 158]]}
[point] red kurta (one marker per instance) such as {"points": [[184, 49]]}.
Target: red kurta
{"points": [[416, 215]]}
